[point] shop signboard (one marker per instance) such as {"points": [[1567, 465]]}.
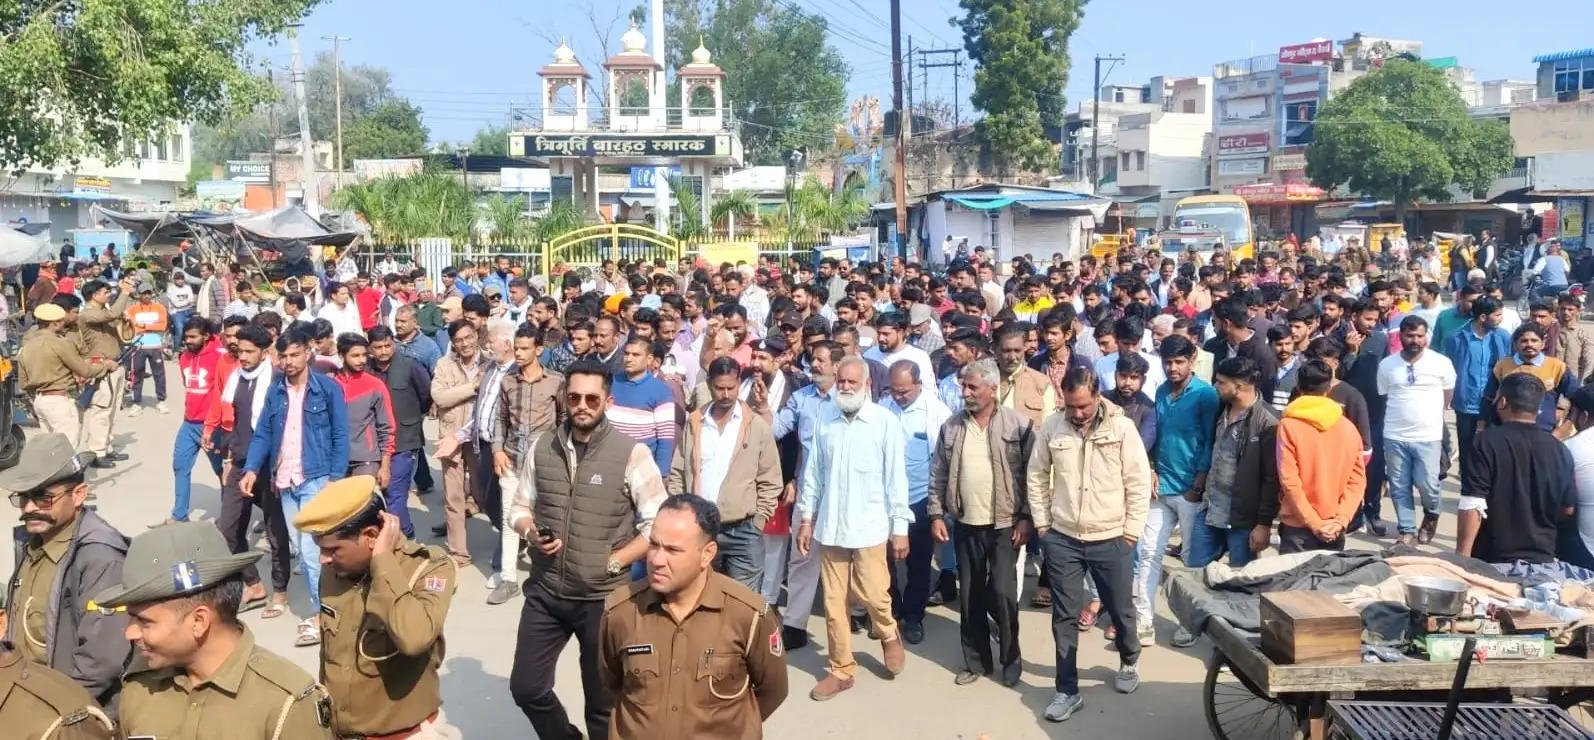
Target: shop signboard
{"points": [[1233, 145], [1289, 162], [1311, 51], [1573, 215], [82, 185], [1273, 193], [619, 145], [1242, 167], [249, 171]]}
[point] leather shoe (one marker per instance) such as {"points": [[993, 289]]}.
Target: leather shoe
{"points": [[1042, 599], [1377, 528], [439, 530], [1011, 674], [857, 622], [102, 463], [793, 638], [913, 632], [965, 677], [829, 686], [115, 456], [895, 656], [1426, 530]]}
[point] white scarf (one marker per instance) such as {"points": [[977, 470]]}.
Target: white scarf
{"points": [[257, 401]]}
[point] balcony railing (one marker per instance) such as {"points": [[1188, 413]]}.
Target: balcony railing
{"points": [[1241, 67]]}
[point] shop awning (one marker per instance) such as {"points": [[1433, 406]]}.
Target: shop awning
{"points": [[993, 201]]}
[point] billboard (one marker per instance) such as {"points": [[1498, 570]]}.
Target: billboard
{"points": [[1311, 51], [1242, 167], [248, 171], [1230, 145]]}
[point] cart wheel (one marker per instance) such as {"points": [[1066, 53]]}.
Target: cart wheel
{"points": [[1236, 710], [11, 447]]}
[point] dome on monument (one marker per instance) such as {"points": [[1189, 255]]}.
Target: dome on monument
{"points": [[633, 42]]}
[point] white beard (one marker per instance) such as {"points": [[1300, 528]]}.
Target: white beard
{"points": [[850, 402]]}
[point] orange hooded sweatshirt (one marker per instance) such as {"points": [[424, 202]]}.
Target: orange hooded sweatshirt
{"points": [[1321, 473]]}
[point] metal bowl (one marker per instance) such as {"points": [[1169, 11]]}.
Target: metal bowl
{"points": [[1443, 597]]}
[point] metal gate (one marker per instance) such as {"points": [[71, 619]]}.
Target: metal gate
{"points": [[590, 246]]}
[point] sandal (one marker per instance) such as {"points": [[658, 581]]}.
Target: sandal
{"points": [[309, 634], [1087, 620], [274, 609], [249, 605]]}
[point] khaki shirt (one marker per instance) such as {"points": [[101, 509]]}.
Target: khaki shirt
{"points": [[251, 696], [37, 703], [39, 564], [717, 674], [98, 325], [50, 362], [382, 639]]}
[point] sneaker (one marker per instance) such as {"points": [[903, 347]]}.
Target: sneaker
{"points": [[1111, 633], [503, 592], [134, 411], [1147, 635], [913, 632], [965, 677], [1377, 528], [1127, 680], [1425, 531], [1182, 638], [1063, 706], [161, 407], [829, 686]]}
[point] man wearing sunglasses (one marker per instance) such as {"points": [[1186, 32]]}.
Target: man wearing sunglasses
{"points": [[69, 555]]}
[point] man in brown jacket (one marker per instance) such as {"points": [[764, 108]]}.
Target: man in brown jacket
{"points": [[1576, 344], [459, 375], [726, 454], [977, 475], [1023, 389]]}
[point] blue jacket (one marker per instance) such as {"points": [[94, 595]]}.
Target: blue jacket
{"points": [[325, 428], [1474, 359]]}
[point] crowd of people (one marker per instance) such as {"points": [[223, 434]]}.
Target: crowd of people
{"points": [[683, 456]]}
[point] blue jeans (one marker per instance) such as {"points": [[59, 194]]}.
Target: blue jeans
{"points": [[1408, 465], [294, 498], [179, 320], [1207, 543], [398, 489], [183, 456], [741, 554]]}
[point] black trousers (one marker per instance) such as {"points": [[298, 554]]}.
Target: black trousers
{"points": [[233, 521], [1373, 497], [909, 599], [1111, 563], [988, 584], [546, 624], [1466, 432]]}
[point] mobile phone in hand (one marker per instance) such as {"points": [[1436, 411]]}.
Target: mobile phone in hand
{"points": [[545, 534]]}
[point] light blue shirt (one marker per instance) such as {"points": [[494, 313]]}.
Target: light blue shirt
{"points": [[854, 487], [951, 392], [921, 430], [801, 413]]}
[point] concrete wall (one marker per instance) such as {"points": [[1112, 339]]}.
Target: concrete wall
{"points": [[1549, 127]]}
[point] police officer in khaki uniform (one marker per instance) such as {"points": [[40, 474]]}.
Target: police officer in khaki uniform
{"points": [[199, 674], [49, 365], [382, 612], [98, 323], [689, 653], [37, 703]]}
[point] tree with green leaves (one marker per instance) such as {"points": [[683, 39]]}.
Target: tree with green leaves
{"points": [[1402, 133], [81, 78], [491, 140], [784, 81], [1020, 54], [394, 129]]}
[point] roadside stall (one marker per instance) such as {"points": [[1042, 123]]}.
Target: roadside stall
{"points": [[1366, 644]]}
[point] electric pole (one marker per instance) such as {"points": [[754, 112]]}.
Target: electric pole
{"points": [[337, 102], [1095, 121], [956, 64], [271, 148], [310, 195], [900, 184], [909, 91]]}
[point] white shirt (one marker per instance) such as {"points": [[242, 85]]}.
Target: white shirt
{"points": [[905, 352], [1107, 373], [718, 448], [1582, 449], [180, 297], [755, 301], [1510, 319], [1415, 411], [994, 298], [344, 320]]}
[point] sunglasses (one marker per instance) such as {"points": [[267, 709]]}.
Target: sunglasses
{"points": [[591, 400]]}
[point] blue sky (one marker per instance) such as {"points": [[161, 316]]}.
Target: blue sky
{"points": [[466, 61]]}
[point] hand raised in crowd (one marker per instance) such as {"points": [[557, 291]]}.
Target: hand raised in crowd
{"points": [[1354, 339]]}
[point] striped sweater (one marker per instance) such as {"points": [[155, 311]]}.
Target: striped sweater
{"points": [[644, 410]]}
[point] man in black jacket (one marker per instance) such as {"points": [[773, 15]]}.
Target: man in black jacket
{"points": [[1366, 346], [1237, 338], [65, 555], [410, 386]]}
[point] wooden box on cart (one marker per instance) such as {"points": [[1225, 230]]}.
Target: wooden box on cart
{"points": [[1310, 628]]}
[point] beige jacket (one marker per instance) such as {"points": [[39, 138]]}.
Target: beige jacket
{"points": [[454, 392], [1576, 350], [752, 484], [1091, 486]]}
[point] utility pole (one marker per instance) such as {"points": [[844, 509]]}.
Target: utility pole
{"points": [[311, 195], [1095, 121], [910, 83], [900, 184], [956, 64], [337, 102], [271, 148]]}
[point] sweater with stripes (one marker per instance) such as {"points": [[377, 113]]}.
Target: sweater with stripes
{"points": [[644, 410]]}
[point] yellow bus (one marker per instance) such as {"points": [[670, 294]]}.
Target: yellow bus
{"points": [[1229, 215]]}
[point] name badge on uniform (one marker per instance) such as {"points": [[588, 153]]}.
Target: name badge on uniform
{"points": [[639, 649]]}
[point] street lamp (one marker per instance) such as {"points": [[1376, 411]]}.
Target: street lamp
{"points": [[794, 165]]}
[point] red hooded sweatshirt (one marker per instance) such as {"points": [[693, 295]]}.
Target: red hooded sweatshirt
{"points": [[200, 378]]}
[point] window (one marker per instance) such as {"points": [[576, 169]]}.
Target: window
{"points": [[1189, 106], [177, 147], [160, 149], [1572, 75], [1140, 160], [1124, 165]]}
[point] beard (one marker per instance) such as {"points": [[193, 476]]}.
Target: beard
{"points": [[850, 401]]}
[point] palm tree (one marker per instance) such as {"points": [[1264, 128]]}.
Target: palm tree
{"points": [[562, 218], [689, 222], [732, 206], [507, 216]]}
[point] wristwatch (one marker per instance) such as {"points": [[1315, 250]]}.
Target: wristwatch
{"points": [[615, 568]]}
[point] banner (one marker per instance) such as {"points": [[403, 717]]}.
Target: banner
{"points": [[716, 253], [1311, 51], [618, 145]]}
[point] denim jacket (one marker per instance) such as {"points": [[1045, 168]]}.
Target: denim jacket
{"points": [[325, 428]]}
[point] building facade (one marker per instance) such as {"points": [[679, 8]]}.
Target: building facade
{"points": [[147, 179]]}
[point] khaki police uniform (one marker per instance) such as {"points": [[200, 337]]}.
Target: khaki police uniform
{"points": [[719, 673], [97, 327], [36, 579], [37, 703], [382, 630], [48, 367], [254, 695]]}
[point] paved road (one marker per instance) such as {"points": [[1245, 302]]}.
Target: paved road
{"points": [[921, 703]]}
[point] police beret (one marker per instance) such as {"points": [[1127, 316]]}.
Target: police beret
{"points": [[339, 502]]}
